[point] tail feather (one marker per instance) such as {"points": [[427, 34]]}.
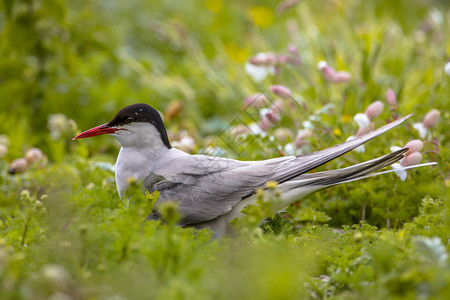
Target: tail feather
{"points": [[306, 162], [333, 177]]}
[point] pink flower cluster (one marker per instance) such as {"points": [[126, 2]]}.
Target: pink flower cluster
{"points": [[430, 119], [412, 157], [333, 76], [32, 156]]}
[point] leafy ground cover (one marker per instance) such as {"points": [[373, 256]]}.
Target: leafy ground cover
{"points": [[68, 66]]}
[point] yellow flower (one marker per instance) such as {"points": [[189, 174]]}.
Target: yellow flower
{"points": [[261, 16], [337, 131], [346, 118], [237, 54], [214, 5]]}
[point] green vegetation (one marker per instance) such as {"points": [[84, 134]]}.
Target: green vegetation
{"points": [[69, 66]]}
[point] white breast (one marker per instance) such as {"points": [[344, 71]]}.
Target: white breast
{"points": [[140, 163]]}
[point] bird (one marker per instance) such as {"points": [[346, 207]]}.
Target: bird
{"points": [[211, 191]]}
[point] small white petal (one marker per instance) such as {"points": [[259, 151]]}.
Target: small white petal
{"points": [[307, 125], [322, 64], [258, 73], [399, 171], [289, 149], [395, 148], [263, 112], [255, 129], [447, 68], [362, 120], [423, 131], [360, 149]]}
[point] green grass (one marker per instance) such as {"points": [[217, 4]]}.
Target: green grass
{"points": [[65, 233]]}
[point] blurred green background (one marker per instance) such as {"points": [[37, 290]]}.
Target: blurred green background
{"points": [[65, 234]]}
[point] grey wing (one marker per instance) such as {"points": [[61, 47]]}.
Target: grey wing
{"points": [[206, 187]]}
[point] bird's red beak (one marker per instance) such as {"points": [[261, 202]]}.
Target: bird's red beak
{"points": [[102, 129]]}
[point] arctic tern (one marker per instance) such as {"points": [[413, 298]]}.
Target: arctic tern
{"points": [[211, 191]]}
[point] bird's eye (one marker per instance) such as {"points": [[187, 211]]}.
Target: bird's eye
{"points": [[129, 119]]}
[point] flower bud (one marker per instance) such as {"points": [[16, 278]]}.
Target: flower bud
{"points": [[331, 75], [255, 100], [265, 124], [282, 134], [263, 59], [342, 76], [391, 98], [413, 146], [281, 91], [367, 129], [33, 155], [277, 106], [300, 139], [18, 166], [374, 109], [304, 133], [273, 117], [4, 140], [3, 150], [299, 143], [412, 159], [239, 130], [293, 49], [431, 118], [174, 110]]}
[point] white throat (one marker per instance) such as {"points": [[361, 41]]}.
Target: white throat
{"points": [[142, 149]]}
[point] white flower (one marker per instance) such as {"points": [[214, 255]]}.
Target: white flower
{"points": [[258, 73], [307, 125], [395, 148], [362, 120], [423, 131], [255, 129], [447, 68], [399, 171], [289, 149]]}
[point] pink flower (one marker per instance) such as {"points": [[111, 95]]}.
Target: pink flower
{"points": [[281, 91], [273, 117], [332, 75], [431, 118], [239, 130], [277, 106], [263, 59], [391, 99], [265, 124], [413, 146], [3, 150], [34, 155], [255, 100], [364, 130], [18, 166], [374, 109], [412, 159], [293, 49], [300, 138]]}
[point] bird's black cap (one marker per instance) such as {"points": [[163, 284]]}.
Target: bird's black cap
{"points": [[140, 112]]}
